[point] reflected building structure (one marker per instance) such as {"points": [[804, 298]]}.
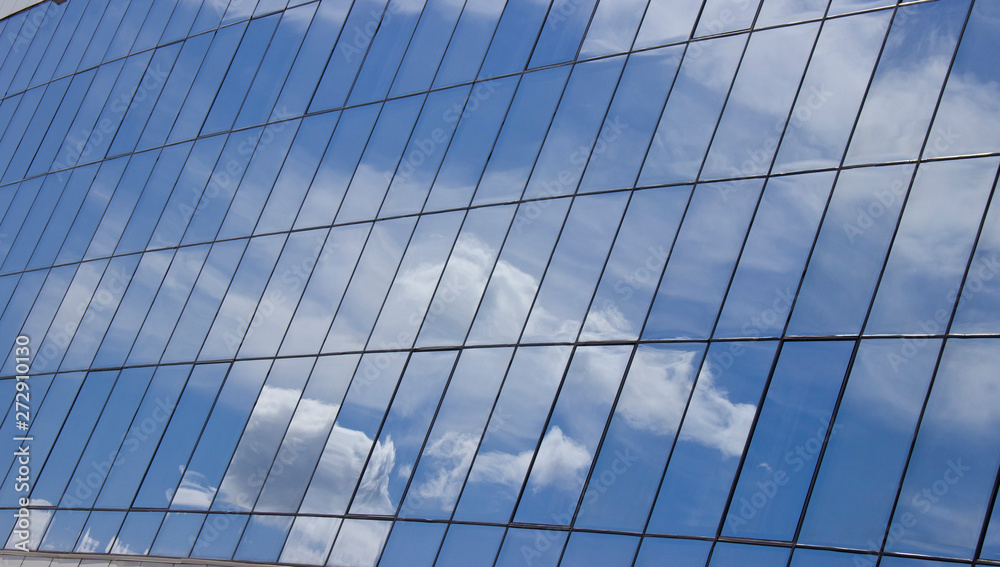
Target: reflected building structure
{"points": [[705, 283]]}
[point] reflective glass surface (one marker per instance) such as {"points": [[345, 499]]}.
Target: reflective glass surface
{"points": [[380, 283]]}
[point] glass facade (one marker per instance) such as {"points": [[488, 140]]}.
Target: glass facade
{"points": [[481, 283]]}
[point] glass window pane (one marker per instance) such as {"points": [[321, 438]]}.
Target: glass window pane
{"points": [[849, 252], [362, 24], [428, 143], [739, 555], [792, 428], [894, 119], [638, 441], [613, 28], [689, 117], [122, 204], [91, 211], [63, 530], [67, 319], [469, 43], [403, 433], [156, 329], [564, 27], [325, 288], [97, 316], [218, 439], [472, 144], [952, 469], [274, 68], [531, 548], [137, 533], [353, 435], [932, 246], [517, 274], [54, 476], [469, 545], [206, 85], [263, 538], [105, 443], [575, 267], [707, 453], [177, 534], [870, 438], [179, 438], [704, 255], [240, 75], [125, 472], [386, 51], [382, 156], [98, 535], [464, 279], [751, 125], [966, 122], [306, 436], [680, 552], [359, 543], [980, 293], [667, 21], [622, 300], [266, 326], [574, 128], [815, 558], [258, 183], [458, 428], [774, 256], [775, 12], [599, 550], [719, 16], [512, 434], [831, 92], [514, 38], [297, 172], [566, 452], [521, 137], [413, 543], [155, 194], [426, 49], [337, 168], [219, 536], [310, 540], [305, 73], [242, 298], [260, 439], [628, 127], [181, 207], [370, 283], [135, 304]]}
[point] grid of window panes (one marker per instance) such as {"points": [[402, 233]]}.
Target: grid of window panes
{"points": [[473, 282]]}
